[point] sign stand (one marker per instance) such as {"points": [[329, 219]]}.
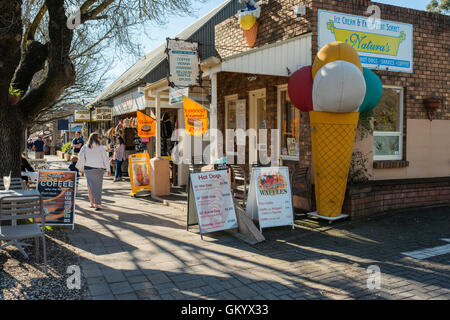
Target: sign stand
{"points": [[330, 219], [210, 203], [269, 198], [192, 214], [58, 190], [139, 172]]}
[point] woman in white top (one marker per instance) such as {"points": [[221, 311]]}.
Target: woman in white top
{"points": [[94, 161]]}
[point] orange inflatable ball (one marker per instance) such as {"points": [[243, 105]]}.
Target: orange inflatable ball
{"points": [[335, 51]]}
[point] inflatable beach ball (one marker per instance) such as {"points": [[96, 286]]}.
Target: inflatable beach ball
{"points": [[374, 91], [247, 21], [339, 86], [300, 87], [335, 51]]}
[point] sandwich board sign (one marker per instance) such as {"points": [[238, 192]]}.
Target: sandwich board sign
{"points": [[58, 190], [139, 172], [210, 203], [269, 198]]}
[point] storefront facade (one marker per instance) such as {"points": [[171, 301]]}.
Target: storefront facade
{"points": [[407, 154]]}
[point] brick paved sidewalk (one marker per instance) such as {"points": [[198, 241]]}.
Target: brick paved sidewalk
{"points": [[139, 249]]}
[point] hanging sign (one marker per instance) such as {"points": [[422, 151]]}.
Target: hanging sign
{"points": [[210, 204], [145, 125], [195, 117], [176, 95], [269, 198], [58, 190], [102, 114], [381, 44], [184, 63], [139, 172], [82, 116]]}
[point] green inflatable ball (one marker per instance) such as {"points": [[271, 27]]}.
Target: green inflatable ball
{"points": [[374, 90]]}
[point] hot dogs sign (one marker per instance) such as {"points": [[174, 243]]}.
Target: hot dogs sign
{"points": [[380, 44]]}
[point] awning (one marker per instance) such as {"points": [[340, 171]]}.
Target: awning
{"points": [[273, 59]]}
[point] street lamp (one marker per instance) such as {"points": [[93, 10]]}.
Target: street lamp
{"points": [[91, 108]]}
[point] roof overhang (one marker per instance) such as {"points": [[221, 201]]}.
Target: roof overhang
{"points": [[277, 59]]}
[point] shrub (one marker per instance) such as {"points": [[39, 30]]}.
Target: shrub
{"points": [[66, 148]]}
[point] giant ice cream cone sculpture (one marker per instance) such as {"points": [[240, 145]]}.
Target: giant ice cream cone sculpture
{"points": [[333, 90], [249, 24]]}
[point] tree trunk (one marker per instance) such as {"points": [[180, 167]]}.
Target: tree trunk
{"points": [[11, 142]]}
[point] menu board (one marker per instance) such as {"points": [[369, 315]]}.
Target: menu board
{"points": [[270, 199], [58, 190], [210, 204]]}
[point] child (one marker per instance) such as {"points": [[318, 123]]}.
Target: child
{"points": [[73, 167]]}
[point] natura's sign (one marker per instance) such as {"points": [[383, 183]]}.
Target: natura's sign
{"points": [[381, 44]]}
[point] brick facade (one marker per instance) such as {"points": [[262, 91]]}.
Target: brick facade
{"points": [[431, 66]]}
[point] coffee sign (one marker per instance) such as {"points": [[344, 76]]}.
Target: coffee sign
{"points": [[184, 63]]}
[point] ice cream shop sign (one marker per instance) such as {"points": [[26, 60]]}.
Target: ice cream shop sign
{"points": [[381, 44]]}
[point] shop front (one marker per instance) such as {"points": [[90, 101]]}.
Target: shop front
{"points": [[402, 148]]}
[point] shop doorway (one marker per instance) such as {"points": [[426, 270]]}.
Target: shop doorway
{"points": [[257, 120]]}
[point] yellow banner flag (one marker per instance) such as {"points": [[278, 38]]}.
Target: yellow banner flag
{"points": [[195, 117], [146, 125]]}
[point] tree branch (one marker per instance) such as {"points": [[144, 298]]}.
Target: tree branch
{"points": [[61, 72], [32, 61], [91, 15], [10, 41], [31, 30]]}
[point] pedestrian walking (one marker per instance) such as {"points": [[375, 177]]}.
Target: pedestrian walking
{"points": [[38, 147], [92, 160], [119, 157]]}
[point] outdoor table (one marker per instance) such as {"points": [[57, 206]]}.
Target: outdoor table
{"points": [[18, 193]]}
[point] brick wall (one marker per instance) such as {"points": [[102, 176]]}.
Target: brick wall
{"points": [[368, 199], [277, 22]]}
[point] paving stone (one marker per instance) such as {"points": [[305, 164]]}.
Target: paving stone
{"points": [[93, 280], [127, 296], [142, 285], [190, 284], [104, 297], [112, 276], [158, 278], [137, 279], [146, 293], [98, 289], [121, 287], [243, 292]]}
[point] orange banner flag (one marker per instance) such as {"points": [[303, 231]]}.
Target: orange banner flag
{"points": [[146, 125], [195, 117]]}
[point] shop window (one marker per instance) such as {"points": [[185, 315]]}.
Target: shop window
{"points": [[289, 126], [388, 125]]}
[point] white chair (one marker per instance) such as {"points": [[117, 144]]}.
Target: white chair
{"points": [[23, 209], [16, 184]]}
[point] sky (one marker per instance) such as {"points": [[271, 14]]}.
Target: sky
{"points": [[176, 24]]}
